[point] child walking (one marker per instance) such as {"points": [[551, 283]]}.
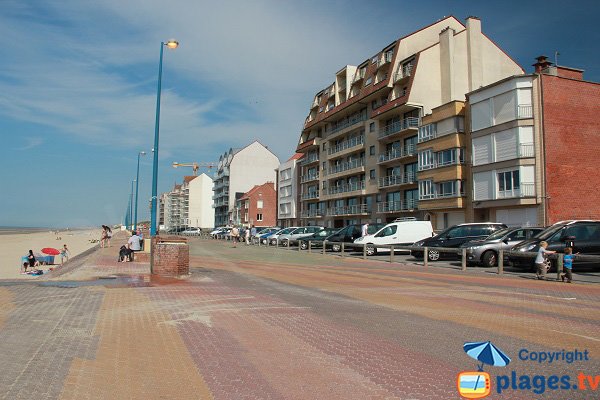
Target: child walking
{"points": [[540, 261], [568, 265]]}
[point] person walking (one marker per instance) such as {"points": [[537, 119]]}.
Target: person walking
{"points": [[64, 254], [235, 234], [108, 236], [253, 233], [541, 261], [365, 229], [103, 236], [568, 265], [247, 236]]}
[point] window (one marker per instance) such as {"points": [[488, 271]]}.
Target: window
{"points": [[259, 217], [388, 231], [368, 81], [508, 181], [426, 159], [372, 127], [372, 150], [426, 189], [372, 174], [324, 146], [446, 188], [259, 204], [324, 165]]}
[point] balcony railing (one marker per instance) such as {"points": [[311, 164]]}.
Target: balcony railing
{"points": [[355, 119], [433, 196], [400, 205], [309, 158], [403, 72], [310, 195], [395, 154], [221, 203], [395, 180], [408, 123], [526, 150], [360, 74], [440, 164], [348, 210], [347, 166], [347, 188], [222, 172], [309, 177], [347, 144], [312, 213], [525, 111], [525, 190]]}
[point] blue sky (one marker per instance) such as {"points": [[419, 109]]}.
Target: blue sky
{"points": [[78, 83]]}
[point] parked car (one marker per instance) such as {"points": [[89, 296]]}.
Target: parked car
{"points": [[316, 239], [192, 232], [221, 231], [298, 233], [273, 238], [177, 230], [265, 233], [401, 232], [582, 235], [454, 237], [485, 251], [349, 234], [216, 230]]}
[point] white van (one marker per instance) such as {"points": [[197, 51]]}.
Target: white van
{"points": [[399, 232]]}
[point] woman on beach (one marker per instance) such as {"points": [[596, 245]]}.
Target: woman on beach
{"points": [[31, 260], [64, 254], [104, 236], [108, 236]]}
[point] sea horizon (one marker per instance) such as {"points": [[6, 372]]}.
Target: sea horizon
{"points": [[11, 230]]}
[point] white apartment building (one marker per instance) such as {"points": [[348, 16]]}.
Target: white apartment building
{"points": [[238, 171], [361, 132], [505, 144], [200, 212], [287, 191], [174, 208]]}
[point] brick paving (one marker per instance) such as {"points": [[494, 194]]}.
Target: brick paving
{"points": [[256, 323]]}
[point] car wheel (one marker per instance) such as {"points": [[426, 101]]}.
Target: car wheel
{"points": [[433, 255], [371, 250], [336, 247], [489, 259], [303, 245]]}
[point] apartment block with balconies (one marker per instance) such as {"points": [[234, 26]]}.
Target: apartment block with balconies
{"points": [[362, 131], [288, 183], [506, 149], [443, 151]]}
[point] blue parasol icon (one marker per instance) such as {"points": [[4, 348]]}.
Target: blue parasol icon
{"points": [[487, 353]]}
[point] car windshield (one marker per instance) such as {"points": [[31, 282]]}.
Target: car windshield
{"points": [[498, 234], [549, 232]]}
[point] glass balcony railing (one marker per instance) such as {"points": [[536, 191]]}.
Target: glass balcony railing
{"points": [[310, 195], [309, 177], [348, 210], [402, 125]]}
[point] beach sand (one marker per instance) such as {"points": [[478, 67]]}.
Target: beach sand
{"points": [[13, 246]]}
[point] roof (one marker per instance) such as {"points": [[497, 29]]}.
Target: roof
{"points": [[250, 192], [296, 156], [189, 178]]}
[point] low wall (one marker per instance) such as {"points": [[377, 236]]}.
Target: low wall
{"points": [[170, 256]]}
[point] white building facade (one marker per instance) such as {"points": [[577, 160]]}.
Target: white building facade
{"points": [[287, 192], [238, 171], [200, 212]]}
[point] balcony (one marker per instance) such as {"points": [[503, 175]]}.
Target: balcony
{"points": [[222, 172], [525, 111], [309, 177], [440, 164], [359, 76], [397, 180], [347, 188], [384, 59], [387, 132], [347, 166], [434, 196], [395, 206], [353, 120], [310, 195], [355, 209], [347, 144], [403, 72], [525, 190], [221, 203], [396, 154], [526, 150], [312, 213], [309, 159]]}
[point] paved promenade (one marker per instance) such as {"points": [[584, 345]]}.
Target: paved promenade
{"points": [[264, 323]]}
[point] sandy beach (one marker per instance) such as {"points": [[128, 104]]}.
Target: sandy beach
{"points": [[15, 245]]}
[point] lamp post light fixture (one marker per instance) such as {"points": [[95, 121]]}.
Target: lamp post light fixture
{"points": [[171, 44], [137, 185]]}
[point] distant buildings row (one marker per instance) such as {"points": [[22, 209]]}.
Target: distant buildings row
{"points": [[441, 125]]}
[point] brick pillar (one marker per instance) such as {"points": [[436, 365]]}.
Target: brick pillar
{"points": [[170, 256]]}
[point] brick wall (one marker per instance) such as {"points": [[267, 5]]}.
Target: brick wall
{"points": [[268, 195], [572, 141], [171, 256]]}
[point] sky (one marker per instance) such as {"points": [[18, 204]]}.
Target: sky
{"points": [[78, 84]]}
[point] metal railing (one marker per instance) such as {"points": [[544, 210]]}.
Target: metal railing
{"points": [[347, 188], [406, 151], [526, 150], [408, 123], [403, 72], [524, 190], [400, 205], [358, 163], [395, 180], [347, 144], [309, 177], [309, 158], [312, 213], [525, 111], [348, 210], [310, 195], [353, 120]]}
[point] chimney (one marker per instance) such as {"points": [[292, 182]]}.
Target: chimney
{"points": [[541, 64], [447, 64], [474, 53]]}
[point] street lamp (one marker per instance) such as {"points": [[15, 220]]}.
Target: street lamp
{"points": [[171, 44], [131, 202], [137, 184]]}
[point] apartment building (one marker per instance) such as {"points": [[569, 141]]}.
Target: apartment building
{"points": [[288, 182], [238, 171], [534, 144], [361, 134], [173, 208], [200, 212], [257, 207]]}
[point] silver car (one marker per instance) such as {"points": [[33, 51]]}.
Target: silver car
{"points": [[485, 251], [298, 233]]}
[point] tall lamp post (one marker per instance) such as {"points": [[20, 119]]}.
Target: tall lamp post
{"points": [[137, 185], [131, 203], [171, 44]]}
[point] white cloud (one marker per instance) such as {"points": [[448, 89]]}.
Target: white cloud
{"points": [[31, 142]]}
